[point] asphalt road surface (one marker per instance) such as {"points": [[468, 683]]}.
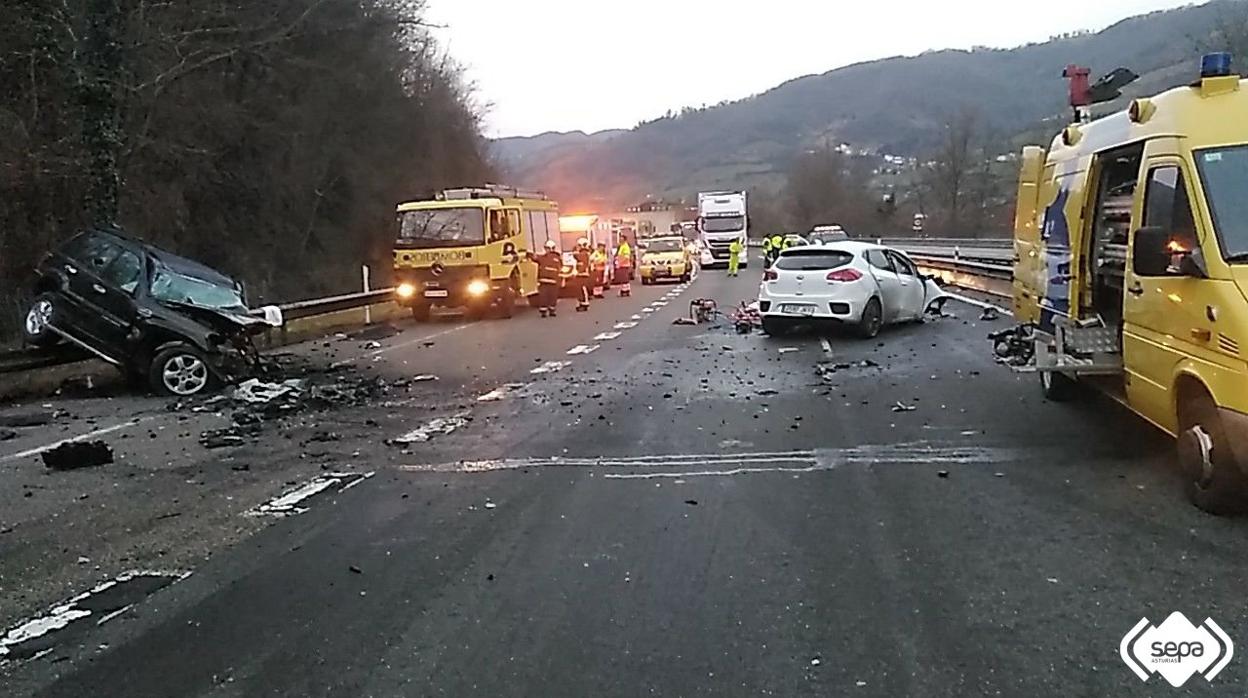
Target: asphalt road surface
{"points": [[667, 510]]}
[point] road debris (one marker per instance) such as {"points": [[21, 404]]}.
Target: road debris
{"points": [[990, 314], [424, 378], [788, 350], [355, 569], [257, 391], [78, 454], [684, 321], [221, 438], [490, 505], [23, 420], [903, 407], [942, 474], [691, 502]]}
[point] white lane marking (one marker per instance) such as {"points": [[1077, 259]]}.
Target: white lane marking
{"points": [[657, 304], [63, 614], [919, 453], [647, 310], [418, 340], [441, 426], [581, 349], [979, 304], [501, 393], [550, 367], [625, 325], [635, 317], [827, 346], [287, 503], [606, 336], [716, 473], [74, 439]]}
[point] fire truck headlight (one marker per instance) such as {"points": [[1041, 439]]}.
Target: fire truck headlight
{"points": [[478, 287], [405, 290]]}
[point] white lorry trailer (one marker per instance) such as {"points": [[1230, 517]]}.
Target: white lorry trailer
{"points": [[722, 218]]}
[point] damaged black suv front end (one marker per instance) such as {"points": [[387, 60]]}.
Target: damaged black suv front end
{"points": [[172, 323]]}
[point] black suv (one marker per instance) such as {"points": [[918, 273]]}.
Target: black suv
{"points": [[172, 323]]}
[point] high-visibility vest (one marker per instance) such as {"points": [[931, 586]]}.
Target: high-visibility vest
{"points": [[777, 242], [766, 244], [625, 254], [598, 260], [734, 247]]}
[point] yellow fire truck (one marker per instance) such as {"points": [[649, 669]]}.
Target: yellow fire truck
{"points": [[469, 248], [1132, 270]]}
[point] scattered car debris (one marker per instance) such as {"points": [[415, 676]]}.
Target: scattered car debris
{"points": [[424, 378], [355, 569], [78, 454], [990, 314], [221, 438], [942, 474], [903, 407], [684, 321], [490, 505], [26, 419], [255, 390], [788, 350], [691, 502]]}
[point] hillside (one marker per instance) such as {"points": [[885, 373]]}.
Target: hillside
{"points": [[897, 105]]}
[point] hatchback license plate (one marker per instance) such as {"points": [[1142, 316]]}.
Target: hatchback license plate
{"points": [[437, 294], [791, 309]]}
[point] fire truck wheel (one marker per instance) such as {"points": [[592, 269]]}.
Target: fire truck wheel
{"points": [[1216, 484], [1058, 387], [506, 303]]}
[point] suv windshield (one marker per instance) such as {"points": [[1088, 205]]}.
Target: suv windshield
{"points": [[173, 287], [669, 245], [448, 227], [729, 224], [1225, 175]]}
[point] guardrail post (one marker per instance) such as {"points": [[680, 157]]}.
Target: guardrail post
{"points": [[368, 309]]}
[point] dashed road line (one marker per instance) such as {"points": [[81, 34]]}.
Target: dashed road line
{"points": [[606, 336], [625, 325], [74, 439], [550, 367], [582, 349]]}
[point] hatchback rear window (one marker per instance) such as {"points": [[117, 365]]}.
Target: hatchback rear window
{"points": [[813, 260]]}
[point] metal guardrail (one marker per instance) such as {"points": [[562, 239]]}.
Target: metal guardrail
{"points": [[27, 359]]}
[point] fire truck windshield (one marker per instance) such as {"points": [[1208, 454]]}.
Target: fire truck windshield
{"points": [[448, 227], [1224, 172]]}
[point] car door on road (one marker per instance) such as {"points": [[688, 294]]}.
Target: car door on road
{"points": [[910, 282], [885, 275]]}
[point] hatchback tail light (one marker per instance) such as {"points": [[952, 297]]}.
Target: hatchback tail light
{"points": [[770, 275], [844, 276]]}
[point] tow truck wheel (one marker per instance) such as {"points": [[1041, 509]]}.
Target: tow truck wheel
{"points": [[180, 370], [1216, 484], [421, 312], [35, 327], [1058, 387]]}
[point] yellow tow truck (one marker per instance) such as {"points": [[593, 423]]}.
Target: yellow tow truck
{"points": [[1131, 273], [470, 248]]}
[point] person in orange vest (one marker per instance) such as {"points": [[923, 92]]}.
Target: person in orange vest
{"points": [[598, 267], [624, 267]]}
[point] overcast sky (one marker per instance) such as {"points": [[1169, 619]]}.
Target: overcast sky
{"points": [[613, 63]]}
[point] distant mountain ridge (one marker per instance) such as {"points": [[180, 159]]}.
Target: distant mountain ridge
{"points": [[897, 105]]}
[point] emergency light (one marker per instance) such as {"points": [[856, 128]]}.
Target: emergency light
{"points": [[1215, 65]]}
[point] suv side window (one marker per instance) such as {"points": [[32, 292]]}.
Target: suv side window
{"points": [[94, 252], [903, 265], [879, 260], [125, 272]]}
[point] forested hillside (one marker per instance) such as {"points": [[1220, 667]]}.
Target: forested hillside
{"points": [[271, 139], [900, 105]]}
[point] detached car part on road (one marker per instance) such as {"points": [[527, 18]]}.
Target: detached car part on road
{"points": [[858, 284], [168, 322]]}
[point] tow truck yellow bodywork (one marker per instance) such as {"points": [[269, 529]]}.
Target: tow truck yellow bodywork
{"points": [[1130, 242]]}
